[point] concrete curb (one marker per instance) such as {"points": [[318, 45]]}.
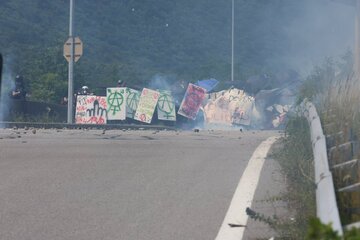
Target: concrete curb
{"points": [[83, 126]]}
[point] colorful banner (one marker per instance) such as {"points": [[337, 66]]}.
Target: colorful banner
{"points": [[147, 104], [191, 103], [166, 106], [231, 107], [116, 103], [132, 101], [90, 110]]}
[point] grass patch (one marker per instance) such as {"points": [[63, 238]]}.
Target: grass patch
{"points": [[334, 90], [340, 106], [294, 154]]}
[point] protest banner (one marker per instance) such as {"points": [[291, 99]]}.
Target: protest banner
{"points": [[191, 103], [166, 106], [90, 110], [230, 107], [146, 106], [132, 101], [116, 103]]}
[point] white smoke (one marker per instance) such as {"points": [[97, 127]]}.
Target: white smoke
{"points": [[161, 82], [324, 29], [169, 83], [7, 84]]}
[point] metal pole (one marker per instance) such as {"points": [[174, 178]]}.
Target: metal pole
{"points": [[232, 42], [357, 40], [71, 67]]}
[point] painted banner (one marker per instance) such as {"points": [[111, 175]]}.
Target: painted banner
{"points": [[146, 106], [191, 103], [166, 106], [231, 107], [90, 109], [116, 103], [132, 101]]}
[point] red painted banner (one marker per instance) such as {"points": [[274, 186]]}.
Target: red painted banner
{"points": [[90, 110], [192, 101]]}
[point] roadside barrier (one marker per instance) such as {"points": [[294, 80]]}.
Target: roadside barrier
{"points": [[326, 205]]}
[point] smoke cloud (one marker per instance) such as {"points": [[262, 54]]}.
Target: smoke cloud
{"points": [[160, 81], [325, 28], [7, 84]]}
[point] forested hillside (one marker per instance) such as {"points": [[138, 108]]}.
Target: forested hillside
{"points": [[135, 40]]}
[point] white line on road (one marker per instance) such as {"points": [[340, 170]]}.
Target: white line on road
{"points": [[244, 194]]}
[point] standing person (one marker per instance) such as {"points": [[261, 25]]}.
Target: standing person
{"points": [[121, 83], [64, 101], [84, 91], [19, 91]]}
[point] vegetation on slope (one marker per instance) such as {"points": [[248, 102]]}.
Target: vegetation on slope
{"points": [[135, 40]]}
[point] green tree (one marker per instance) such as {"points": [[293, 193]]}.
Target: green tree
{"points": [[49, 87], [135, 40]]}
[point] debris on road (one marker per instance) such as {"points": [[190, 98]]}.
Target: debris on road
{"points": [[236, 225]]}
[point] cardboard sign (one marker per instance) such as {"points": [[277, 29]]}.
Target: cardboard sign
{"points": [[116, 103], [191, 103], [231, 107], [166, 106], [90, 110], [147, 104], [132, 102]]}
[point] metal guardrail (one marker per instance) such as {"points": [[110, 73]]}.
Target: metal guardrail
{"points": [[326, 205]]}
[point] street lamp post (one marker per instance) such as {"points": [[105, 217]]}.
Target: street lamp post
{"points": [[232, 41], [71, 66], [357, 40]]}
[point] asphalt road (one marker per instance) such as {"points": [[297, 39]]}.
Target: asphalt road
{"points": [[79, 184]]}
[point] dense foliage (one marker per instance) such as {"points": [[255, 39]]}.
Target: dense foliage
{"points": [[134, 40]]}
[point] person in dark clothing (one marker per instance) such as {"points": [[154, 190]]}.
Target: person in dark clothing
{"points": [[64, 101], [121, 83], [84, 91], [19, 91]]}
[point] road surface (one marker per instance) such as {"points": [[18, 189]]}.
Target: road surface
{"points": [[119, 184]]}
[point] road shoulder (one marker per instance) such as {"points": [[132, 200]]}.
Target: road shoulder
{"points": [[268, 201]]}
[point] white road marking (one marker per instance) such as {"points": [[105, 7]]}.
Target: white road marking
{"points": [[244, 194]]}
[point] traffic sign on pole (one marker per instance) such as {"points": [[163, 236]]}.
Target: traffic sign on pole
{"points": [[78, 49], [70, 113]]}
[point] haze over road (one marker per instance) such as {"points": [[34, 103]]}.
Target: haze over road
{"points": [[146, 184]]}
